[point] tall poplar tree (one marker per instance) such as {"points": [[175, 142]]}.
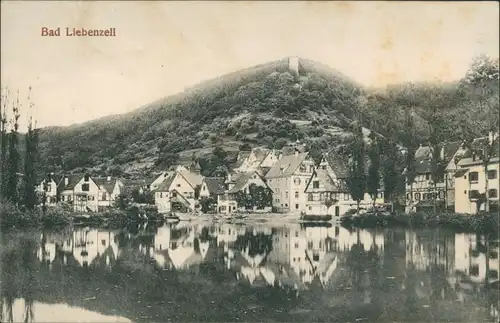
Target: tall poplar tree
{"points": [[3, 142], [31, 139], [12, 168], [356, 180], [373, 180]]}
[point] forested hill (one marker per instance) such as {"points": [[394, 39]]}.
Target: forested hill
{"points": [[265, 105]]}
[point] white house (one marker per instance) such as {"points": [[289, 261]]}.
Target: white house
{"points": [[95, 194], [48, 186], [180, 191], [288, 179]]}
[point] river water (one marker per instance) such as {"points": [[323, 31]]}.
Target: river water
{"points": [[227, 272]]}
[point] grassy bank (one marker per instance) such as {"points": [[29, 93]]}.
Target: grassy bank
{"points": [[62, 215], [484, 223]]}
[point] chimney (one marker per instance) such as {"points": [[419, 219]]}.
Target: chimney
{"points": [[473, 156], [66, 180], [108, 178], [293, 65], [228, 177], [296, 152], [492, 136]]}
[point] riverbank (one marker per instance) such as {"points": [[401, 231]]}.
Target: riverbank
{"points": [[484, 223]]}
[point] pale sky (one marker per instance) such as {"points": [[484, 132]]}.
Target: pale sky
{"points": [[162, 47]]}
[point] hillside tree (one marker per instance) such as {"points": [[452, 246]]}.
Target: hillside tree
{"points": [[391, 173]]}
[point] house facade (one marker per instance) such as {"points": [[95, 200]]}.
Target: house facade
{"points": [[423, 193], [244, 183], [470, 185], [48, 189], [180, 191], [96, 194], [288, 179], [327, 192]]}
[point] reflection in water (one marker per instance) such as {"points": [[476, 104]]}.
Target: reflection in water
{"points": [[194, 272]]}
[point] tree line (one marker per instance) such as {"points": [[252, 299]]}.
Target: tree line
{"points": [[381, 163], [18, 161]]}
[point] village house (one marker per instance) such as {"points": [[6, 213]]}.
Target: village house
{"points": [[288, 179], [471, 181], [422, 193], [327, 192], [179, 191], [258, 159], [48, 189], [95, 194], [65, 188], [227, 202]]}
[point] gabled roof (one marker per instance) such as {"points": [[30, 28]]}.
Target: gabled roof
{"points": [[215, 185], [324, 178], [243, 180], [337, 163], [321, 175], [103, 182], [73, 179], [287, 165], [192, 178], [165, 185]]}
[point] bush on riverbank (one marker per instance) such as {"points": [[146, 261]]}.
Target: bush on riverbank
{"points": [[486, 223], [316, 218], [13, 216]]}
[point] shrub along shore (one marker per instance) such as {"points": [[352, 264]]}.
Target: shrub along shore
{"points": [[13, 216], [486, 223]]}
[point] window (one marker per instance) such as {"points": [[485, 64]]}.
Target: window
{"points": [[296, 181], [286, 204], [296, 245], [346, 196], [474, 194], [474, 270], [465, 191], [408, 196], [493, 193], [309, 245], [296, 233], [302, 169], [321, 197], [441, 194], [160, 194], [492, 174], [86, 178], [427, 177], [380, 195], [493, 274], [310, 208], [323, 167], [85, 187], [417, 196], [316, 257], [103, 242], [62, 198], [425, 196], [178, 185], [203, 188], [316, 184], [473, 177], [296, 206], [286, 194], [296, 195], [310, 197], [104, 196], [47, 188], [174, 194]]}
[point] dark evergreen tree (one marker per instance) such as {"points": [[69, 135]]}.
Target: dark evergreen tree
{"points": [[31, 139], [391, 175], [356, 181], [3, 142], [373, 180]]}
